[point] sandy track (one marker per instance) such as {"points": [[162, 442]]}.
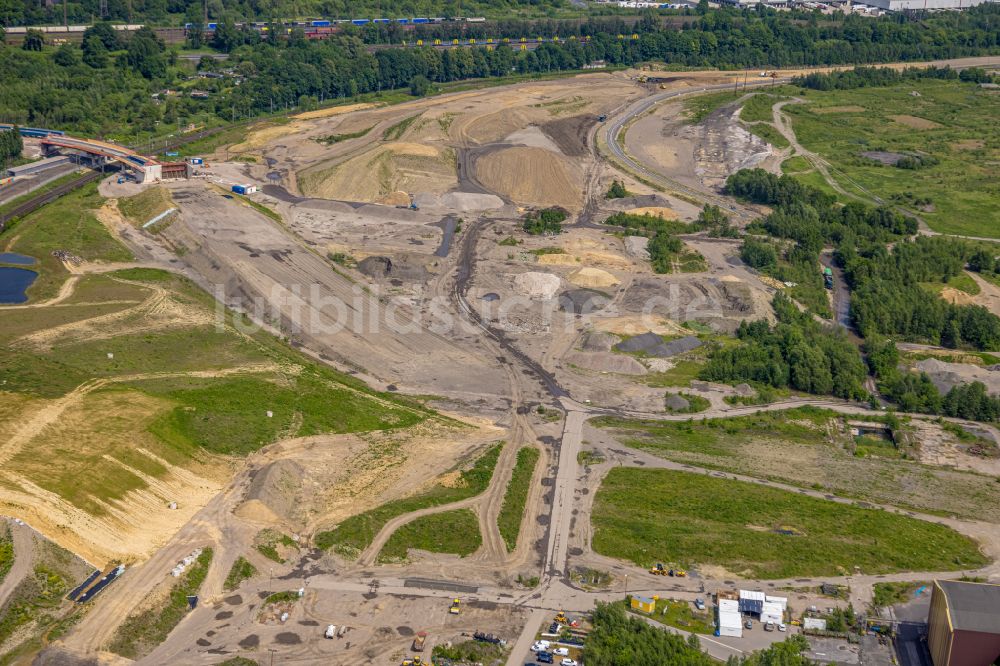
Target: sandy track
{"points": [[24, 557]]}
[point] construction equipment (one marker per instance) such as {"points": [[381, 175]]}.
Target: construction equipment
{"points": [[680, 573], [561, 618], [455, 607], [419, 641], [658, 570], [828, 278]]}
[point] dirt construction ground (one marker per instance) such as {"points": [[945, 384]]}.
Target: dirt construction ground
{"points": [[388, 242]]}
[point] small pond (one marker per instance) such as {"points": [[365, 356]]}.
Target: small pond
{"points": [[14, 258], [14, 282]]}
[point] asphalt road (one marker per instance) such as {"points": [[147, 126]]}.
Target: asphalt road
{"points": [[616, 126]]}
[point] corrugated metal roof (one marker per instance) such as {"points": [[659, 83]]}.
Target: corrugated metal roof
{"points": [[730, 605], [973, 606], [752, 595]]}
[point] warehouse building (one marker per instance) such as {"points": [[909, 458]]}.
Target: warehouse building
{"points": [[964, 624]]}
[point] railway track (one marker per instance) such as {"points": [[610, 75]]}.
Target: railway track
{"points": [[49, 196], [37, 202]]}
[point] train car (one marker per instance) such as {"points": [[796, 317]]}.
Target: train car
{"points": [[319, 24], [359, 21], [382, 21], [438, 19], [211, 26], [418, 21], [478, 19], [403, 21]]}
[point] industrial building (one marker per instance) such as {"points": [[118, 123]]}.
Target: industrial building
{"points": [[38, 166], [964, 623], [730, 620]]}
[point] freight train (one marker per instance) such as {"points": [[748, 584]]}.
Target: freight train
{"points": [[308, 25]]}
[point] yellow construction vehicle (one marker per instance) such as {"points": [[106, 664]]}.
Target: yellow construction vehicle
{"points": [[561, 618], [680, 573], [658, 570], [455, 607]]}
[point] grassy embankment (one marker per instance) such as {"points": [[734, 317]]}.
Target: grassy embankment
{"points": [[512, 512], [454, 532], [66, 224], [143, 631], [809, 448], [240, 571], [650, 515], [133, 428], [143, 207], [353, 535]]}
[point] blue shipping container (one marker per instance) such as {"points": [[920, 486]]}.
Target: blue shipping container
{"points": [[197, 160], [239, 189]]}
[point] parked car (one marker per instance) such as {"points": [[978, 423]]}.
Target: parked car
{"points": [[540, 645], [699, 604], [782, 627], [567, 662], [544, 657], [561, 652], [769, 626], [748, 624]]}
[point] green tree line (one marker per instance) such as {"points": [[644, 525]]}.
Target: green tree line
{"points": [[108, 82], [11, 146]]}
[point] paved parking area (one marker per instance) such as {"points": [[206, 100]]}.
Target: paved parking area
{"points": [[832, 651]]}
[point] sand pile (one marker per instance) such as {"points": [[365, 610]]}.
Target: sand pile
{"points": [[535, 285], [606, 362], [583, 301], [379, 172], [637, 246], [946, 375], [259, 138], [593, 278], [272, 492], [655, 211], [333, 111], [397, 198], [255, 511], [558, 260], [470, 202], [599, 341], [533, 176], [496, 126]]}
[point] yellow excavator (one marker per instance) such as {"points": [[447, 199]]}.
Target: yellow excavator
{"points": [[561, 618], [658, 570], [455, 607]]}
